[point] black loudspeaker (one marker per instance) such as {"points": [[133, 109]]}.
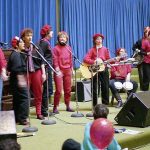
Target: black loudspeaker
{"points": [[136, 111], [7, 125], [84, 91]]}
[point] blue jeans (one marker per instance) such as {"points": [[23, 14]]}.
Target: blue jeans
{"points": [[1, 89]]}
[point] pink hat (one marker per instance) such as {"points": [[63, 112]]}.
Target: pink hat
{"points": [[45, 29], [97, 35]]}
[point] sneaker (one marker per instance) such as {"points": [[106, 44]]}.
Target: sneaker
{"points": [[55, 111], [119, 104], [40, 117]]}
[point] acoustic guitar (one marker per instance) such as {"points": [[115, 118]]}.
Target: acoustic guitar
{"points": [[88, 71]]}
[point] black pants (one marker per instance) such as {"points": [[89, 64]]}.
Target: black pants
{"points": [[146, 76], [116, 92], [103, 83], [20, 100], [50, 92], [140, 72]]}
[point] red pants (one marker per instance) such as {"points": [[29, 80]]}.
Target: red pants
{"points": [[35, 81], [63, 82]]}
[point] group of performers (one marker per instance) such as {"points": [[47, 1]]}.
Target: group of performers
{"points": [[29, 72]]}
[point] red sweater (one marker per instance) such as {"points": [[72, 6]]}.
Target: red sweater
{"points": [[3, 62], [146, 48], [62, 57], [120, 71], [91, 56]]}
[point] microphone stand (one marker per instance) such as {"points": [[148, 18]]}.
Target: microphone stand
{"points": [[77, 114], [48, 121], [91, 114], [29, 128]]}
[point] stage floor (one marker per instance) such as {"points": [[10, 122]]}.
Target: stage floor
{"points": [[52, 136]]}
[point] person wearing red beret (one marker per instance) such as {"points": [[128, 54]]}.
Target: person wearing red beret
{"points": [[62, 60], [3, 75], [95, 56], [36, 70], [18, 81], [44, 43]]}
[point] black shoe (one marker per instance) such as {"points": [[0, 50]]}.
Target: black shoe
{"points": [[119, 104], [45, 114]]}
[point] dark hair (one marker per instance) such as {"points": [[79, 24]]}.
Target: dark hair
{"points": [[71, 144], [9, 144], [100, 111]]}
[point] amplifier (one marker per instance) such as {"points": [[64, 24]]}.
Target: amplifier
{"points": [[84, 91]]}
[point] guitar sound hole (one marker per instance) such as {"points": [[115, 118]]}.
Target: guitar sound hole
{"points": [[94, 68]]}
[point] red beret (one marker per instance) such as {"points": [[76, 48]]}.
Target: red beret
{"points": [[97, 35], [45, 29], [14, 42]]}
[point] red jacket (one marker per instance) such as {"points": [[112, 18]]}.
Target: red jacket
{"points": [[120, 71], [91, 56], [146, 48], [3, 62]]}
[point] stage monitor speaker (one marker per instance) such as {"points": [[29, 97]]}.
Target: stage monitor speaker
{"points": [[84, 90], [7, 125], [136, 111]]}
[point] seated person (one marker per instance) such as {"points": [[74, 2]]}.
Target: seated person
{"points": [[71, 144], [100, 111], [120, 72], [9, 144]]}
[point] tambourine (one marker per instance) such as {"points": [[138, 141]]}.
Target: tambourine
{"points": [[118, 85], [128, 86]]}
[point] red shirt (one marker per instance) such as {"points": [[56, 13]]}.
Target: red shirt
{"points": [[3, 62], [120, 71], [146, 48], [91, 56], [62, 57]]}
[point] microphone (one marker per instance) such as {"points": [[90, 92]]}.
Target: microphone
{"points": [[3, 43], [63, 43], [34, 45], [136, 52]]}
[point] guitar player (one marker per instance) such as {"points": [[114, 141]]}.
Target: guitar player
{"points": [[95, 56]]}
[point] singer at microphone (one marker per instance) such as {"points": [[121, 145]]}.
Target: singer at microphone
{"points": [[62, 54]]}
